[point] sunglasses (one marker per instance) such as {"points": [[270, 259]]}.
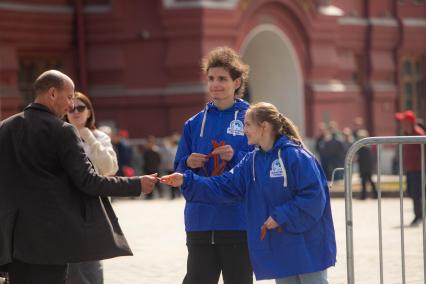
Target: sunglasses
{"points": [[77, 108]]}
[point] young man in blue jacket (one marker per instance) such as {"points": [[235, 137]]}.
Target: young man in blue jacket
{"points": [[287, 203], [213, 142]]}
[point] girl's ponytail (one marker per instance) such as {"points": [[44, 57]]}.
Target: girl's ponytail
{"points": [[290, 129]]}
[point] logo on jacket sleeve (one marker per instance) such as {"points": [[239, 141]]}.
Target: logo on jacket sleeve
{"points": [[236, 127], [276, 170]]}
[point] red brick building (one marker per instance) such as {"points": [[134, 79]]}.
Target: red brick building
{"points": [[139, 60]]}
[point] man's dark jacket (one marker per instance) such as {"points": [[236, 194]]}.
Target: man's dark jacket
{"points": [[53, 208]]}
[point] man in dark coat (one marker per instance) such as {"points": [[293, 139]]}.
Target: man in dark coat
{"points": [[53, 209]]}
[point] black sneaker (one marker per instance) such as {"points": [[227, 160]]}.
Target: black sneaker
{"points": [[416, 221]]}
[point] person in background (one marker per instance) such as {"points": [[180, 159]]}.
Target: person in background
{"points": [[124, 152], [168, 152], [334, 150], [358, 126], [213, 142], [98, 148], [365, 163], [286, 198], [412, 162], [174, 142], [322, 138], [152, 161], [52, 201], [347, 138]]}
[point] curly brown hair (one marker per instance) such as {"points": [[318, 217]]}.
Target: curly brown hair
{"points": [[230, 60]]}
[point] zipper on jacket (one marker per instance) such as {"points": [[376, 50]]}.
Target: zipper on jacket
{"points": [[212, 238]]}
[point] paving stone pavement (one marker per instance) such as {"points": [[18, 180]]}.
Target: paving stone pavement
{"points": [[156, 235]]}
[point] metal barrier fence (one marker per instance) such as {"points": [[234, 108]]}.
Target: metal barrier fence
{"points": [[380, 141]]}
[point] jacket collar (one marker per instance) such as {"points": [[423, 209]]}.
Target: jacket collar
{"points": [[38, 106], [282, 142], [239, 104]]}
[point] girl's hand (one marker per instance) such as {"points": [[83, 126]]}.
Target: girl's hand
{"points": [[196, 160], [225, 152], [173, 180], [271, 224]]}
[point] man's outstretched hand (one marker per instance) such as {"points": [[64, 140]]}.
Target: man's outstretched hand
{"points": [[148, 182], [173, 180]]}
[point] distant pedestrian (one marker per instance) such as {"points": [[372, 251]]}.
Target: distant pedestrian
{"points": [[365, 164], [412, 162], [152, 161], [334, 151], [347, 139], [124, 152], [358, 125], [322, 138], [168, 154]]}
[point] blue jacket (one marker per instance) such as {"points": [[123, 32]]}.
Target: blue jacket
{"points": [[288, 184], [198, 133]]}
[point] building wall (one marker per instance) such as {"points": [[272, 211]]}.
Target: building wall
{"points": [[139, 60]]}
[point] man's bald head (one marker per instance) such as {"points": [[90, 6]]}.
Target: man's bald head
{"points": [[50, 79], [54, 90]]}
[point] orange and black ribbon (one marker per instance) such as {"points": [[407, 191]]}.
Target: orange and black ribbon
{"points": [[218, 167], [264, 230]]}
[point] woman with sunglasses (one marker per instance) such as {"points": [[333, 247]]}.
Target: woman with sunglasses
{"points": [[99, 149], [285, 193]]}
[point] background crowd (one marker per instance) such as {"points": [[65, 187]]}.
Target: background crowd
{"points": [[147, 155]]}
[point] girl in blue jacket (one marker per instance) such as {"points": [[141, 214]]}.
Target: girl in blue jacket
{"points": [[289, 223], [213, 142]]}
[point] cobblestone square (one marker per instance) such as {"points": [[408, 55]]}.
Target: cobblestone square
{"points": [[156, 235]]}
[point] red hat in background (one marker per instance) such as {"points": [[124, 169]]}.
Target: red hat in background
{"points": [[123, 133], [406, 115]]}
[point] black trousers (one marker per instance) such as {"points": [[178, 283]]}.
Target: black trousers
{"points": [[85, 272], [207, 261], [366, 177], [25, 273], [414, 190]]}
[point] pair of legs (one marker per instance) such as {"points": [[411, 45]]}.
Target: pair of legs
{"points": [[207, 261], [319, 277], [25, 273], [85, 273], [414, 190], [366, 178]]}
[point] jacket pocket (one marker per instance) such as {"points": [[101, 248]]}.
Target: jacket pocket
{"points": [[87, 210], [7, 221], [260, 245], [283, 239]]}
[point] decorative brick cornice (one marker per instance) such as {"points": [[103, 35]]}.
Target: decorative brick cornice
{"points": [[49, 8], [201, 4]]}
